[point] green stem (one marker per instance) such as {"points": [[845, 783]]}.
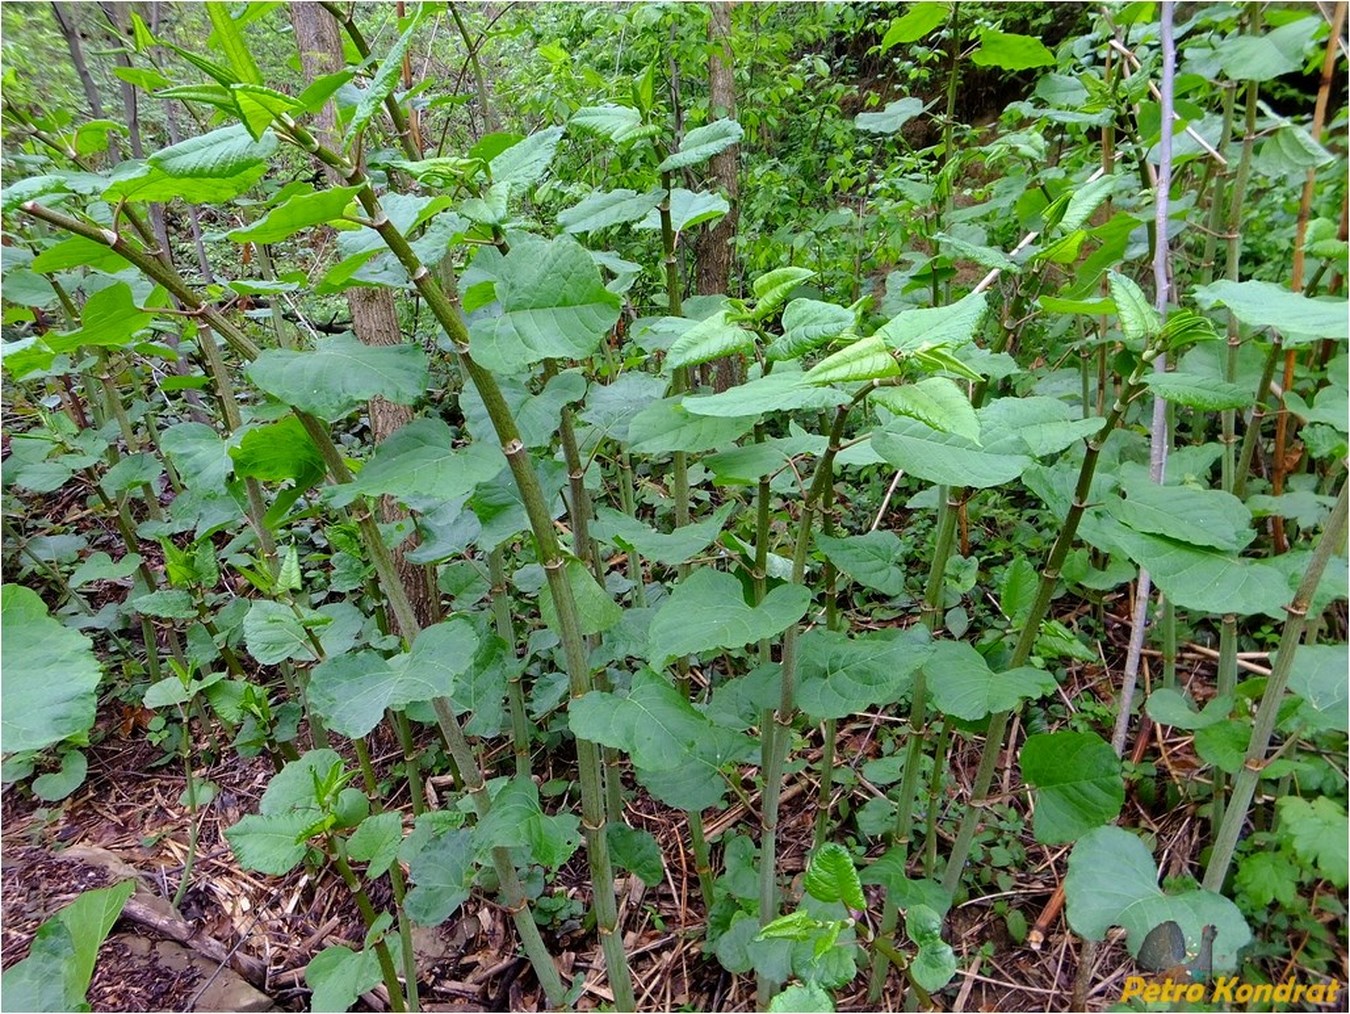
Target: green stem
{"points": [[515, 698], [387, 970], [1267, 712]]}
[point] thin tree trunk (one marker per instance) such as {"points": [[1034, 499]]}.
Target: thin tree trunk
{"points": [[713, 253], [374, 316]]}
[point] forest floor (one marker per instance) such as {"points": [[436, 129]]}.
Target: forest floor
{"points": [[128, 816]]}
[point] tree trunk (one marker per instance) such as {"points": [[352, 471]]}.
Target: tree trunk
{"points": [[374, 317], [715, 243]]}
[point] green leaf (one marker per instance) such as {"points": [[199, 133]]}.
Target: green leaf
{"points": [[808, 997], [227, 36], [1317, 831], [783, 390], [937, 402], [1011, 52], [874, 559], [443, 873], [831, 876], [707, 610], [109, 320], [1198, 392], [679, 546], [260, 107], [386, 79], [57, 785], [133, 470], [199, 455], [554, 305], [351, 692], [864, 359], [946, 458], [524, 163], [341, 373], [702, 143], [517, 820], [963, 686], [709, 339], [667, 425], [420, 459], [954, 325], [1139, 321], [376, 842], [618, 123], [1077, 780], [299, 212], [1318, 677], [337, 976], [656, 726], [1301, 319], [1272, 55], [604, 208], [841, 675], [1168, 707], [100, 567], [1113, 881], [772, 289], [637, 851], [914, 24], [1200, 517], [807, 325], [596, 611], [143, 183], [271, 843], [77, 252], [274, 634], [935, 963], [167, 603], [688, 208], [1197, 577], [278, 451], [52, 686], [220, 154], [892, 118]]}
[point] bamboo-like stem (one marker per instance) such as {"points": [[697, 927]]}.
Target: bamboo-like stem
{"points": [[777, 726], [387, 970], [998, 722], [546, 540], [1267, 712], [506, 630], [702, 860]]}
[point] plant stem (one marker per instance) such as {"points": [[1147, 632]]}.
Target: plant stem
{"points": [[1267, 712], [358, 890], [515, 697]]}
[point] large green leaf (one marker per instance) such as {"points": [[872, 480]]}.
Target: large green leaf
{"points": [[772, 289], [1199, 517], [1319, 678], [667, 425], [337, 976], [707, 610], [936, 402], [421, 460], [75, 252], [1205, 579], [517, 820], [709, 339], [656, 726], [1011, 52], [963, 685], [226, 34], [1113, 881], [443, 874], [1195, 391], [689, 208], [831, 876], [198, 453], [596, 611], [1077, 780], [351, 692], [1139, 321], [923, 328], [1317, 830], [782, 390], [142, 182], [341, 373], [808, 324], [618, 123], [220, 154], [946, 458], [277, 451], [893, 117], [1261, 57], [51, 676], [865, 359], [525, 162], [874, 559], [553, 304], [679, 546], [603, 208], [386, 78], [841, 675], [299, 212], [274, 633], [702, 143], [914, 24], [1299, 318], [536, 414]]}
